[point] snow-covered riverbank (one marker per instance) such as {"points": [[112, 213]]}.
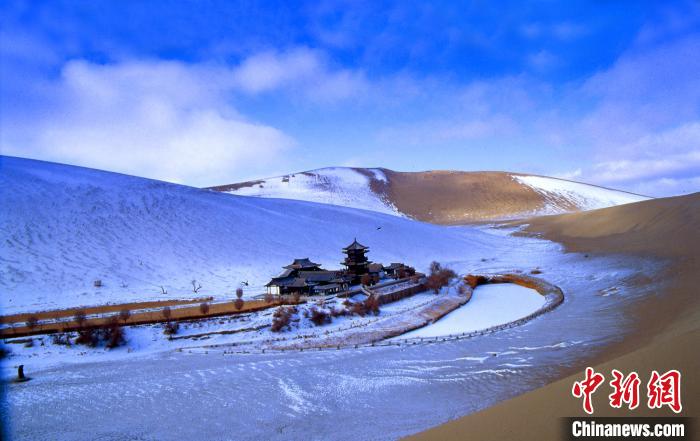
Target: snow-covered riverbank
{"points": [[167, 395]]}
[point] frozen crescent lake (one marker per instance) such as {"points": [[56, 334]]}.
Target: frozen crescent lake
{"points": [[490, 305]]}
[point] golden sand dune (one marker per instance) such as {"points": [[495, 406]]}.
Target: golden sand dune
{"points": [[659, 227], [667, 334], [447, 197], [441, 197]]}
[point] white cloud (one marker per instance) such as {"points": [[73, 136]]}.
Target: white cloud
{"points": [[631, 124], [644, 125], [672, 153], [171, 120], [481, 110], [302, 71], [646, 90], [270, 70], [164, 120]]}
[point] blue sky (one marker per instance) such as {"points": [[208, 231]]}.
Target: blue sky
{"points": [[207, 92]]}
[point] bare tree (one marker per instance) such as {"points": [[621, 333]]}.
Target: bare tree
{"points": [[113, 334], [124, 314], [371, 304], [32, 322], [269, 298], [196, 286], [80, 317], [204, 308], [439, 277], [167, 313], [238, 303]]}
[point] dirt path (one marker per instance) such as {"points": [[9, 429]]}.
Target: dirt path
{"points": [[102, 309], [61, 320], [150, 312]]}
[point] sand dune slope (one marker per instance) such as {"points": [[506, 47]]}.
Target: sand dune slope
{"points": [[441, 197], [660, 227], [64, 227], [668, 325]]}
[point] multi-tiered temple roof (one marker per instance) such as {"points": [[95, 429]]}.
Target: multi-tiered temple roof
{"points": [[356, 246], [356, 261], [305, 276], [303, 264]]}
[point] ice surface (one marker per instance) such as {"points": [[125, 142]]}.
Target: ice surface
{"points": [[490, 305]]}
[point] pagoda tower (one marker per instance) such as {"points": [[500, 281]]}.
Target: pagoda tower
{"points": [[356, 261]]}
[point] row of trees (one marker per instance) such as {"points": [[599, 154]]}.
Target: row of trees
{"points": [[80, 318], [110, 333], [85, 332]]}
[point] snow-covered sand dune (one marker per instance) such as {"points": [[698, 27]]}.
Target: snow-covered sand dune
{"points": [[560, 195], [442, 197], [342, 186], [64, 227]]}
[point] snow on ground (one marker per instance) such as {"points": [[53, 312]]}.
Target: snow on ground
{"points": [[200, 394], [334, 185], [490, 305], [143, 340], [559, 193], [64, 227]]}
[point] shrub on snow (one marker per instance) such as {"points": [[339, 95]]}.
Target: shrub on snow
{"points": [[319, 316], [439, 277], [281, 318]]}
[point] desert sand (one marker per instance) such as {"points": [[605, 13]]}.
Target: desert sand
{"points": [[445, 197], [450, 197], [667, 334]]}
